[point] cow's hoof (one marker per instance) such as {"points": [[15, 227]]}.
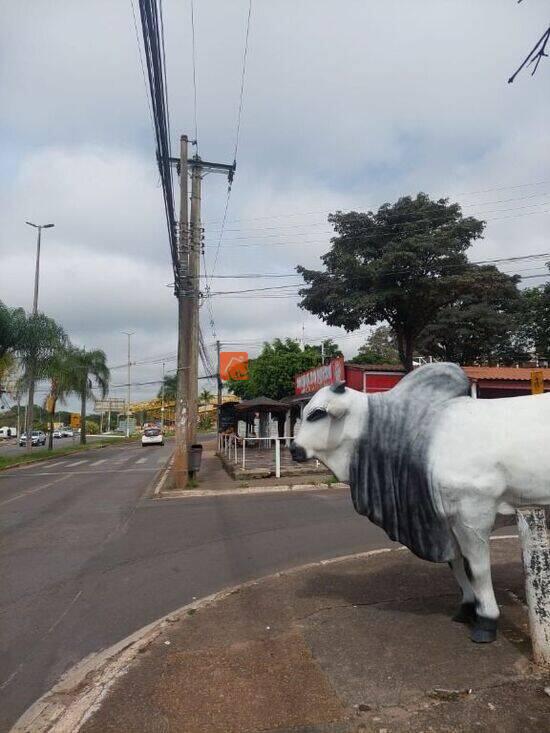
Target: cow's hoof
{"points": [[484, 631], [465, 613]]}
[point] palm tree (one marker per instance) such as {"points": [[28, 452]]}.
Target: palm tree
{"points": [[205, 397], [63, 372], [90, 364], [39, 339]]}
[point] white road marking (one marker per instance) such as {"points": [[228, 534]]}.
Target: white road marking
{"points": [[141, 460], [77, 463], [98, 463], [57, 463]]}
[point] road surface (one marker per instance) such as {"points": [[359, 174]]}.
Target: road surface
{"points": [[12, 448], [87, 556]]}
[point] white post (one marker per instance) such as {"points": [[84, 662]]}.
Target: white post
{"points": [[244, 450], [277, 458], [473, 390], [535, 547]]}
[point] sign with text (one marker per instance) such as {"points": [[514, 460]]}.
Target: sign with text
{"points": [[320, 376], [233, 365], [537, 381], [75, 420], [115, 404]]}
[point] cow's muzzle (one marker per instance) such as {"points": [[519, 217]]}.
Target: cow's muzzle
{"points": [[298, 453]]}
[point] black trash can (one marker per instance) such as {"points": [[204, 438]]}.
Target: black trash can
{"points": [[195, 457]]}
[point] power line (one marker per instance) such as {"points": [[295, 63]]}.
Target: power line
{"points": [[243, 75]]}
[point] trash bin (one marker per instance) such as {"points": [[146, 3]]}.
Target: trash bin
{"points": [[195, 457]]}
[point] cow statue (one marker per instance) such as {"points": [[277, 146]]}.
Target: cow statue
{"points": [[432, 466]]}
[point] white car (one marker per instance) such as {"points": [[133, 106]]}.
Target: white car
{"points": [[152, 436], [38, 437]]}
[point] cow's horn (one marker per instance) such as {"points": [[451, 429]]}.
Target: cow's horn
{"points": [[338, 387]]}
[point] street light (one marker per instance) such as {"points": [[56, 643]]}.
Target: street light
{"points": [[30, 405], [36, 273]]}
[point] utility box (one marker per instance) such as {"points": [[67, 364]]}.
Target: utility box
{"points": [[195, 458]]}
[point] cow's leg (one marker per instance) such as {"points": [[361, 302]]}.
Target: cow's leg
{"points": [[472, 534], [466, 612]]}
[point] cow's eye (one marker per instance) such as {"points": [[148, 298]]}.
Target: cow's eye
{"points": [[316, 414]]}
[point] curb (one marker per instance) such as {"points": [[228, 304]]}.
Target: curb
{"points": [[191, 493], [81, 690]]}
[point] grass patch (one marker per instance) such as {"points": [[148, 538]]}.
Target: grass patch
{"points": [[45, 454], [192, 483]]}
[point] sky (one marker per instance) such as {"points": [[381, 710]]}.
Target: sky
{"points": [[346, 106]]}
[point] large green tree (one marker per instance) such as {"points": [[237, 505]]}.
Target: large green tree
{"points": [[63, 371], [535, 319], [401, 264], [481, 325], [170, 387], [271, 374], [379, 348]]}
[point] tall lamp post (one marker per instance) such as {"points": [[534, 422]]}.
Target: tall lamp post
{"points": [[30, 407], [129, 334]]}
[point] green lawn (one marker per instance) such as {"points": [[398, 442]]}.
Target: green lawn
{"points": [[44, 454]]}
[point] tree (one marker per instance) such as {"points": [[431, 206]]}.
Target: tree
{"points": [[63, 370], [12, 326], [379, 348], [89, 364], [39, 339], [170, 387], [481, 325], [271, 373], [535, 319], [401, 265], [205, 397], [327, 348]]}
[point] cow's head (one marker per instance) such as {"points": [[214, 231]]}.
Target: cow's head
{"points": [[331, 424]]}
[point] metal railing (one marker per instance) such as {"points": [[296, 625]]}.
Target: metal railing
{"points": [[239, 449]]}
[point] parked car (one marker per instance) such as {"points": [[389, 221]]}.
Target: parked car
{"points": [[152, 436], [38, 437], [8, 432], [66, 432], [57, 434]]}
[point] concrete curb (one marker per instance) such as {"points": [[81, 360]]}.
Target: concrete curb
{"points": [[191, 493], [81, 690]]}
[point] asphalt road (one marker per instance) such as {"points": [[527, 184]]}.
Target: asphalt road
{"points": [[87, 556], [11, 447]]}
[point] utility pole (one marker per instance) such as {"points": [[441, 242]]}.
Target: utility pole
{"points": [[188, 292], [182, 378], [162, 404], [129, 334], [30, 405], [219, 376]]}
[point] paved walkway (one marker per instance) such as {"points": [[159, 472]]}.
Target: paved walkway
{"points": [[361, 644]]}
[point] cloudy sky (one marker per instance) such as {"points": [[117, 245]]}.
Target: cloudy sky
{"points": [[346, 105]]}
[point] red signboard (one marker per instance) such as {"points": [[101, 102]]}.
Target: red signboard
{"points": [[320, 376]]}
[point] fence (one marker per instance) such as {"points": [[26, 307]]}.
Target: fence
{"points": [[257, 452]]}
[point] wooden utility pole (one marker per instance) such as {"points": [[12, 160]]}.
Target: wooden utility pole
{"points": [[182, 412], [188, 292], [193, 300]]}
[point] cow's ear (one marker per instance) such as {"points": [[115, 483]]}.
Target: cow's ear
{"points": [[337, 408], [338, 387]]}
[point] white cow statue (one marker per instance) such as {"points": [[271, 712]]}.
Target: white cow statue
{"points": [[433, 467]]}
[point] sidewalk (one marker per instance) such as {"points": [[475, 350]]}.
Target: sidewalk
{"points": [[359, 644], [212, 477]]}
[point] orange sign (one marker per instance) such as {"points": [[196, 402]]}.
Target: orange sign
{"points": [[233, 365], [75, 420], [537, 381]]}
